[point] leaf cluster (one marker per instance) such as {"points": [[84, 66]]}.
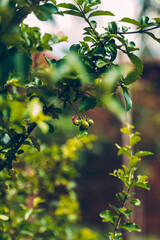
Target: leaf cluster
{"points": [[126, 174]]}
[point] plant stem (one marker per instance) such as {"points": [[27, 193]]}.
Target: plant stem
{"points": [[139, 31]]}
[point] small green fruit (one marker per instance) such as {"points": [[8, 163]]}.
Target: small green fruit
{"points": [[76, 122], [84, 124], [90, 121]]}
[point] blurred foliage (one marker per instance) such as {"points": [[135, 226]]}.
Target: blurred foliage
{"points": [[34, 96]]}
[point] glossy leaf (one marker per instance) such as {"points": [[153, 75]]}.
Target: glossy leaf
{"points": [[86, 104], [135, 202], [44, 12], [107, 216], [137, 62], [82, 132], [130, 227], [134, 140], [72, 12], [131, 21], [101, 13], [131, 77], [100, 63], [68, 5], [143, 153], [127, 98], [153, 36]]}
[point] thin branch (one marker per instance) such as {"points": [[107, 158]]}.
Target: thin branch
{"points": [[139, 31]]}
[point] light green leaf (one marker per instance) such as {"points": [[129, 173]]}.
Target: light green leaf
{"points": [[143, 153], [131, 21], [107, 216], [131, 77], [4, 217], [130, 227], [157, 19], [86, 104], [100, 63], [134, 140], [135, 202], [124, 150], [127, 213], [137, 62], [101, 13], [134, 160]]}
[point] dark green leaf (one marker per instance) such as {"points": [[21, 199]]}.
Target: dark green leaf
{"points": [[131, 21], [72, 12], [51, 128], [107, 216], [112, 27], [153, 36], [127, 98], [44, 12], [100, 13], [20, 152], [86, 104], [68, 5], [93, 23], [82, 132], [89, 39], [137, 62], [35, 143], [141, 184], [135, 202], [130, 227], [131, 77]]}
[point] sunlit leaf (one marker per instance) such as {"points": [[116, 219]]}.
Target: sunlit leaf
{"points": [[130, 227]]}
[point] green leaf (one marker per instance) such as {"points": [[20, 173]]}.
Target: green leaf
{"points": [[127, 98], [127, 213], [68, 5], [112, 27], [4, 217], [157, 19], [51, 128], [135, 202], [89, 39], [131, 21], [93, 24], [130, 227], [134, 160], [74, 13], [100, 13], [35, 143], [153, 36], [134, 140], [107, 216], [100, 63], [131, 77], [44, 12], [124, 150], [20, 152], [143, 153], [137, 62], [82, 132], [142, 185], [86, 104]]}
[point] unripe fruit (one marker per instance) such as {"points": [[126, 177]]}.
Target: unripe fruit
{"points": [[90, 121], [76, 122], [84, 124]]}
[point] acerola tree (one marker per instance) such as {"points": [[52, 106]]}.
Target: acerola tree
{"points": [[86, 77]]}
